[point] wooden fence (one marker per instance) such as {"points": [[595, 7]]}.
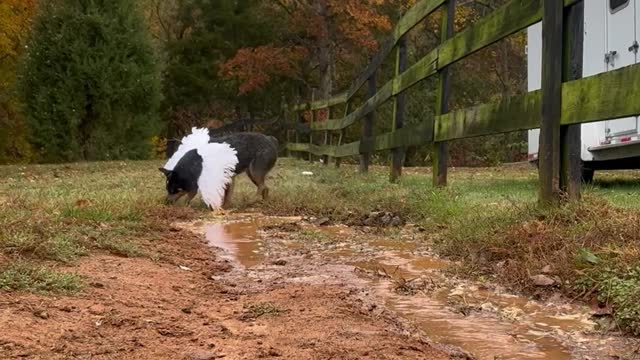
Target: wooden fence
{"points": [[565, 101]]}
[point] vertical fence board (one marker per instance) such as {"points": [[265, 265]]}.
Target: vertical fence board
{"points": [[397, 154], [325, 158], [298, 119], [347, 110], [549, 152], [313, 120], [367, 127], [441, 149], [570, 158]]}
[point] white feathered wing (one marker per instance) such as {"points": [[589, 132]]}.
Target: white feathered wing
{"points": [[219, 162], [198, 137]]}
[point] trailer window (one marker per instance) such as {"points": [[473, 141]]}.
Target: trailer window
{"points": [[616, 5]]}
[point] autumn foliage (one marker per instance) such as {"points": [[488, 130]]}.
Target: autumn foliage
{"points": [[255, 67], [15, 22], [315, 35]]}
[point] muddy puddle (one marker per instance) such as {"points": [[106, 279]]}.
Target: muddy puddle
{"points": [[485, 321]]}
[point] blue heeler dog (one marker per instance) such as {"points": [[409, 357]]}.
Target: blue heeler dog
{"points": [[257, 155], [210, 164]]}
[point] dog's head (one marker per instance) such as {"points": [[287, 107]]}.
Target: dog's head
{"points": [[175, 185]]}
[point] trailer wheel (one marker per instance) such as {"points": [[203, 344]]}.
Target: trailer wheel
{"points": [[587, 175]]}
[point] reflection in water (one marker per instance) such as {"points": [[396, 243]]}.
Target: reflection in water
{"points": [[484, 334], [239, 239]]}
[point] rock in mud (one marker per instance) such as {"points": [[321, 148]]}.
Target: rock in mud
{"points": [[542, 280], [97, 285], [41, 313], [382, 218], [204, 355], [322, 221], [279, 262], [97, 309], [547, 269]]}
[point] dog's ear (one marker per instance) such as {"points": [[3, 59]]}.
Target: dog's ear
{"points": [[166, 172]]}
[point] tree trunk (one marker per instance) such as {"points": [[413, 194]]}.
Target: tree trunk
{"points": [[325, 53]]}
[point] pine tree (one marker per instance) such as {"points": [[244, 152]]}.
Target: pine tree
{"points": [[91, 81]]}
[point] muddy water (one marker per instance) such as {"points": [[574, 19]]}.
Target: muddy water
{"points": [[239, 240], [488, 323]]}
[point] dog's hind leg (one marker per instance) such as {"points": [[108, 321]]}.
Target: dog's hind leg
{"points": [[226, 202], [258, 170]]}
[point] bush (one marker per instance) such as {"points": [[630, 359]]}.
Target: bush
{"points": [[90, 81]]}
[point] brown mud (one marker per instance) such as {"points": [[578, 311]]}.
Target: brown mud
{"points": [[190, 302], [250, 287], [400, 274]]}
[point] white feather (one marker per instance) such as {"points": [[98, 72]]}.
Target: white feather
{"points": [[219, 161], [197, 138]]}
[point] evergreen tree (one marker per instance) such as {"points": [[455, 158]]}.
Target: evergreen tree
{"points": [[91, 81], [209, 32]]}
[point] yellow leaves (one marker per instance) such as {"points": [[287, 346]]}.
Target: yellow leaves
{"points": [[15, 20], [357, 20]]}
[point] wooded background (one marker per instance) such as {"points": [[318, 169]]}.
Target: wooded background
{"points": [[208, 62]]}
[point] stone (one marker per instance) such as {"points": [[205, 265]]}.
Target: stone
{"points": [[322, 221], [542, 280], [97, 309], [204, 355]]}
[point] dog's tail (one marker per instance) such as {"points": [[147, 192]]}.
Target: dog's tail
{"points": [[219, 161], [197, 138]]}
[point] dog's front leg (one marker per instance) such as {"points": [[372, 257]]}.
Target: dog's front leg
{"points": [[226, 202], [190, 197]]}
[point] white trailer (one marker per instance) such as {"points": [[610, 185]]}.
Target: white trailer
{"points": [[611, 36]]}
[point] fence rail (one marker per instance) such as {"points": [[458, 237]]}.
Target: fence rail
{"points": [[606, 96]]}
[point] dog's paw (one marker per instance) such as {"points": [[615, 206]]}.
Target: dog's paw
{"points": [[219, 212]]}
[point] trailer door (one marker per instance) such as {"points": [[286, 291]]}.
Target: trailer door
{"points": [[621, 52]]}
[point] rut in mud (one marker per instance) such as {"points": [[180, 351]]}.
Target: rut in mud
{"points": [[188, 302], [403, 276]]}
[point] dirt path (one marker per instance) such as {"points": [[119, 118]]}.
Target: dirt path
{"points": [[251, 287], [192, 304]]}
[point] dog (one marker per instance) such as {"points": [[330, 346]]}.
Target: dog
{"points": [[211, 163], [199, 165], [257, 156]]}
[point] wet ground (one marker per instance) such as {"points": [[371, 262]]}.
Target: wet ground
{"points": [[252, 287], [398, 271], [189, 302]]}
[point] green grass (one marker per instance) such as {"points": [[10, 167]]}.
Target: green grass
{"points": [[60, 213], [485, 217], [27, 277]]}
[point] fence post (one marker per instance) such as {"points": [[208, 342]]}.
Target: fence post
{"points": [[285, 120], [571, 145], [367, 127], [549, 152], [325, 158], [347, 110], [399, 110], [313, 120], [441, 149], [298, 123]]}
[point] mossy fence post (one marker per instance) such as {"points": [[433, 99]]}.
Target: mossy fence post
{"points": [[399, 105], [441, 148]]}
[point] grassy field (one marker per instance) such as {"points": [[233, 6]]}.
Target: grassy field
{"points": [[53, 215]]}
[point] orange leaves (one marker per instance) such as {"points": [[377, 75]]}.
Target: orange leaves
{"points": [[256, 67], [357, 20]]}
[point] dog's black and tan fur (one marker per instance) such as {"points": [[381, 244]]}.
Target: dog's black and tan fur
{"points": [[257, 155]]}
